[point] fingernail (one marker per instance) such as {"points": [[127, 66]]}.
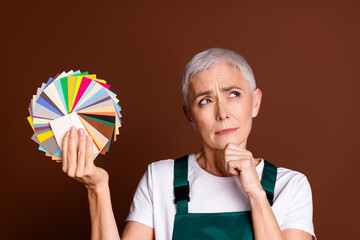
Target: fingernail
{"points": [[88, 138], [72, 129], [81, 132], [67, 133]]}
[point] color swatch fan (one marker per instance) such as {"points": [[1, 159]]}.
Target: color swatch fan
{"points": [[74, 99]]}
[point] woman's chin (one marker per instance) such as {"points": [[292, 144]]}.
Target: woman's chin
{"points": [[221, 144]]}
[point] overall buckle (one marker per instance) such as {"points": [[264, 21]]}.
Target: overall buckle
{"points": [[182, 193], [270, 197]]}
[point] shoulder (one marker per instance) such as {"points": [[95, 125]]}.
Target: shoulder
{"points": [[161, 169], [162, 165], [292, 181], [290, 176]]}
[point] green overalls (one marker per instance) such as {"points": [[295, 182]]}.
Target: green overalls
{"points": [[222, 225]]}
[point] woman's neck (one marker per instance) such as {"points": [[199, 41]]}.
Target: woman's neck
{"points": [[211, 161]]}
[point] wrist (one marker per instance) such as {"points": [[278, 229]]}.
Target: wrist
{"points": [[257, 196], [98, 188]]}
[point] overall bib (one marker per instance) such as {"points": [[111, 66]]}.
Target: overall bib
{"points": [[222, 225]]}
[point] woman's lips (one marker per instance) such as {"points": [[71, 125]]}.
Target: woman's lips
{"points": [[226, 131]]}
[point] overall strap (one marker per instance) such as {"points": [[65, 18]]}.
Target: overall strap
{"points": [[268, 180], [181, 184]]}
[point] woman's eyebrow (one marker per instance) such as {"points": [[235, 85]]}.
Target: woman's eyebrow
{"points": [[224, 89]]}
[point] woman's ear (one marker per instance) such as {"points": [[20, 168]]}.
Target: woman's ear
{"points": [[188, 116], [187, 113], [257, 95]]}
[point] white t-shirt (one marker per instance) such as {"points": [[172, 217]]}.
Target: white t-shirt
{"points": [[153, 203]]}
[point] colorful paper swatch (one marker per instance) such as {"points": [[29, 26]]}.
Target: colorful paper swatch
{"points": [[74, 99]]}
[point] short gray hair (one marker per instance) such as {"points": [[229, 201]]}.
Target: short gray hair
{"points": [[209, 58]]}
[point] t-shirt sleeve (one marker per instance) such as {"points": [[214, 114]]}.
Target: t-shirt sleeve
{"points": [[141, 209], [299, 214]]}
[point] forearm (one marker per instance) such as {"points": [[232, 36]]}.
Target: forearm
{"points": [[265, 224], [103, 224]]}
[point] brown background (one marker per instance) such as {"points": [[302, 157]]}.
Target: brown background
{"points": [[305, 58]]}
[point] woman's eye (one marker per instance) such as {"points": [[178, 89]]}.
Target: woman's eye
{"points": [[236, 93], [204, 101]]}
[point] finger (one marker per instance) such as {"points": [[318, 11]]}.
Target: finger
{"points": [[72, 152], [233, 167], [233, 152], [242, 161], [238, 152], [237, 156], [64, 152], [81, 153], [231, 146], [89, 161]]}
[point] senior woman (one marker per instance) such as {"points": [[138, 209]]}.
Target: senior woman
{"points": [[218, 192]]}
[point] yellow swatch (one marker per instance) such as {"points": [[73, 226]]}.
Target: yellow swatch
{"points": [[31, 123], [91, 76], [76, 90], [71, 85], [46, 135], [99, 80]]}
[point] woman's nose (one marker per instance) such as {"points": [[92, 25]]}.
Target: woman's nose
{"points": [[221, 112], [220, 118]]}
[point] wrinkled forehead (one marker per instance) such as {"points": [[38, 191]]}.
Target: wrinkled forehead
{"points": [[218, 76]]}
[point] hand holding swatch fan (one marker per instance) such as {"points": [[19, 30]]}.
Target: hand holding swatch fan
{"points": [[74, 99]]}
